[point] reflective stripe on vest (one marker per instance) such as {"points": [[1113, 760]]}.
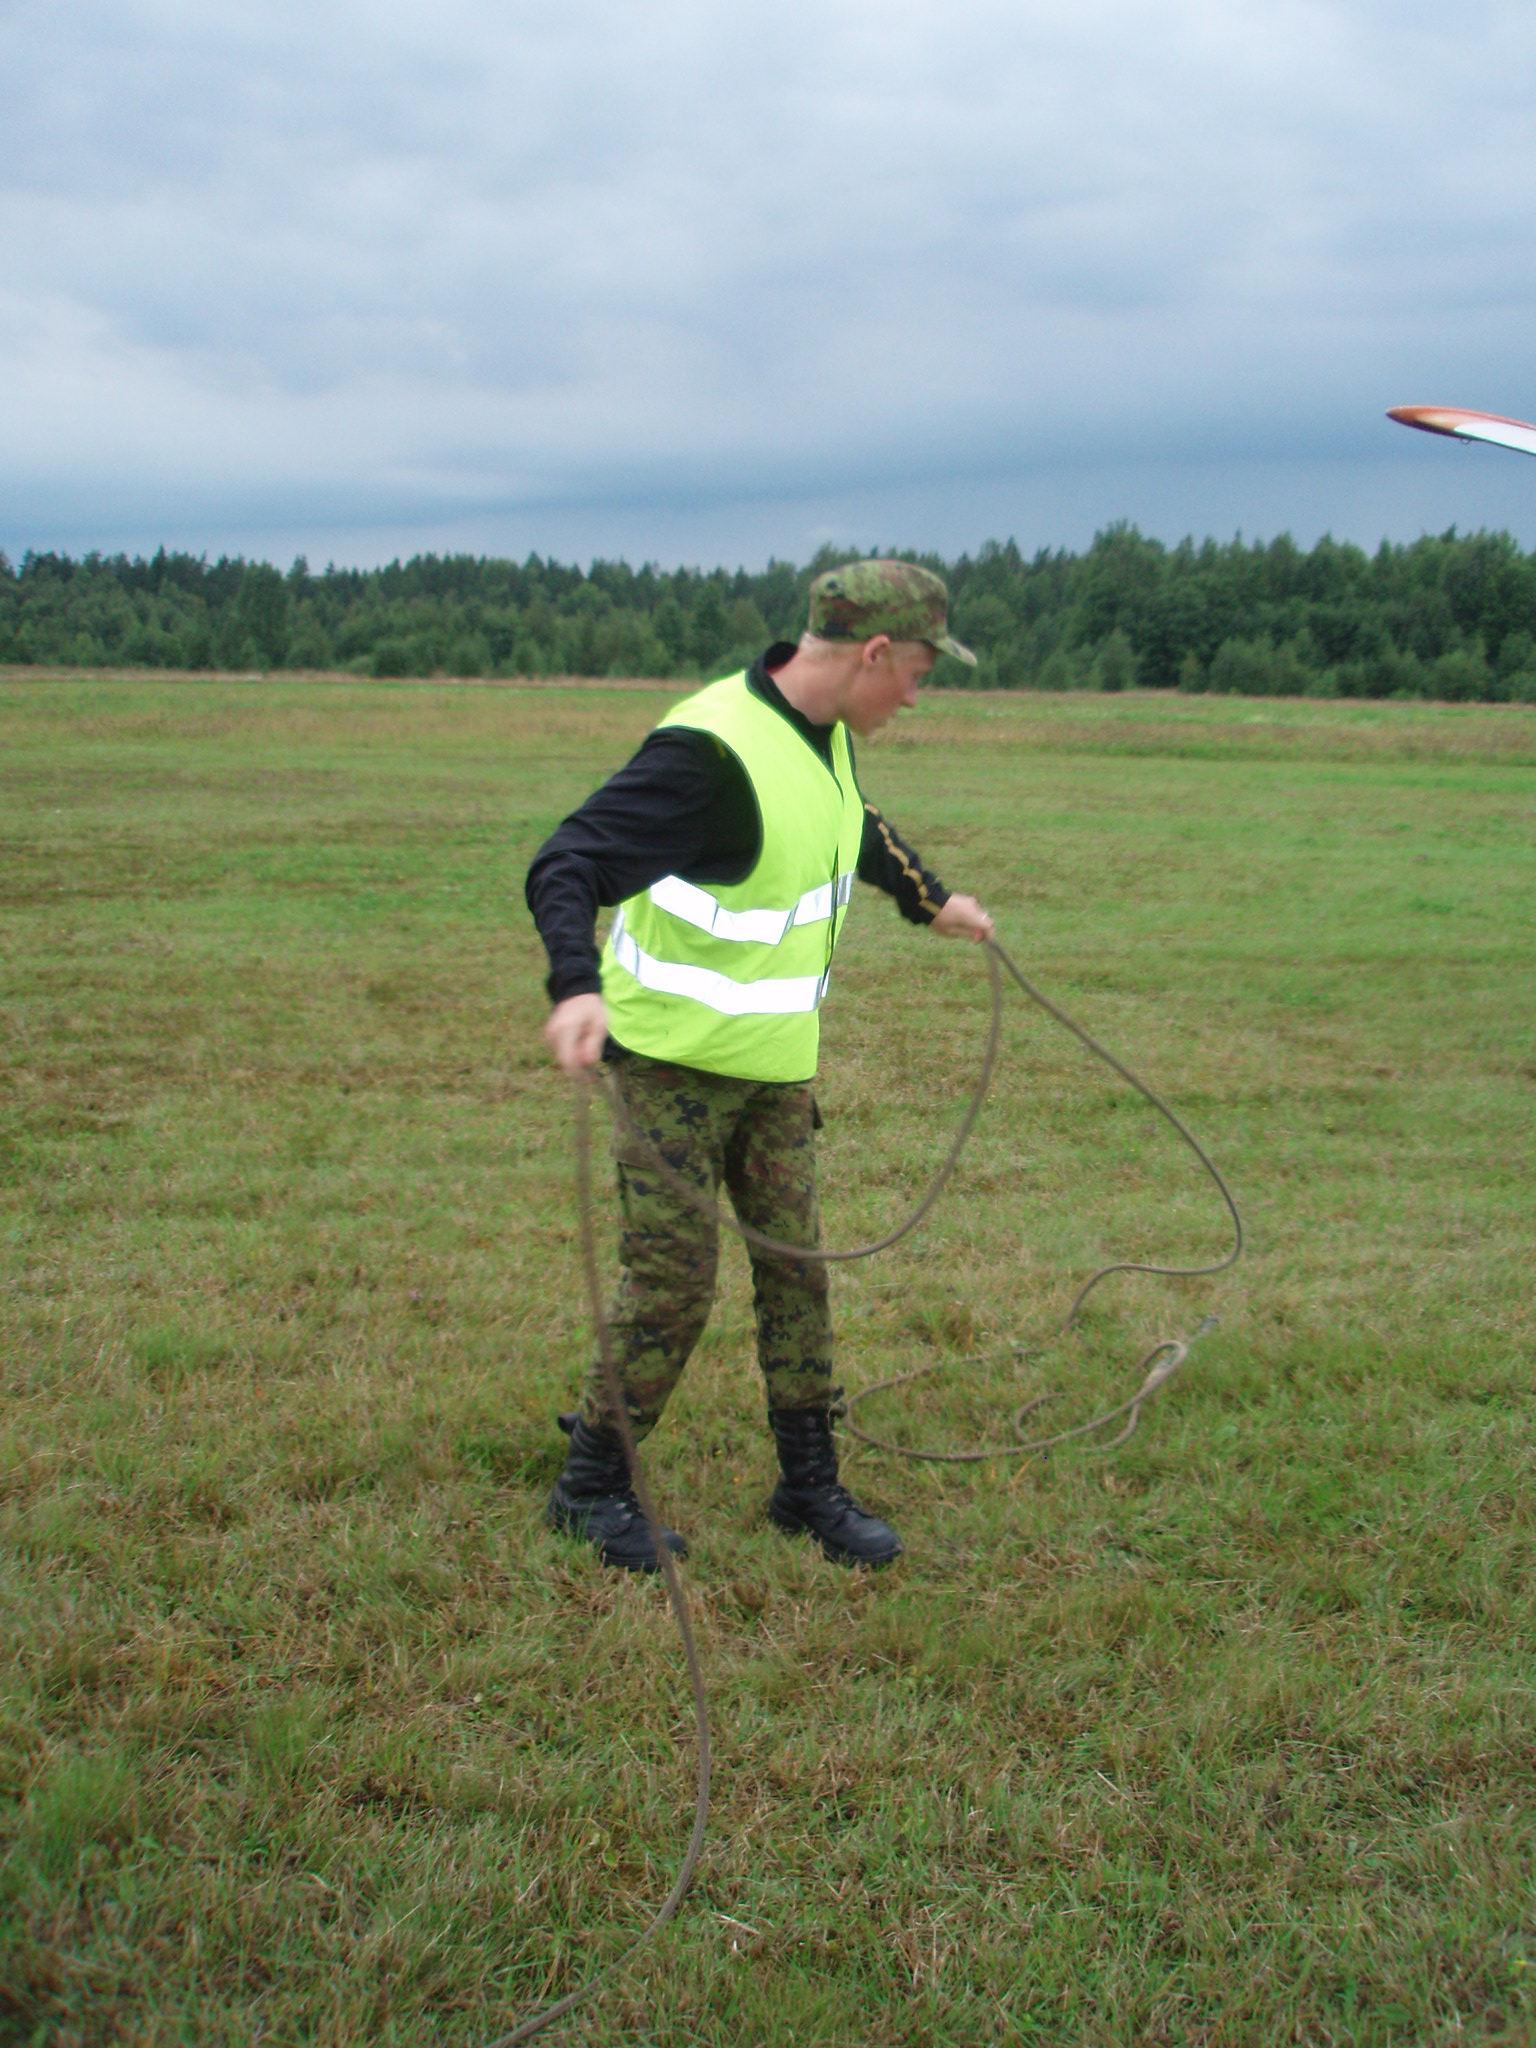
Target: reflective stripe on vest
{"points": [[784, 995], [751, 927]]}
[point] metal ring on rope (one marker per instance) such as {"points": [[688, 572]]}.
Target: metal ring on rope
{"points": [[1158, 1366]]}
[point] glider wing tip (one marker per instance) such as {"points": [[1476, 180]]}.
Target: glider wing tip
{"points": [[1430, 419]]}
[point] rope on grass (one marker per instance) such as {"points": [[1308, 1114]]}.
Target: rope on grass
{"points": [[1159, 1365], [674, 1584], [1172, 1352]]}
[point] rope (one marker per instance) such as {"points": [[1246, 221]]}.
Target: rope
{"points": [[1159, 1365], [816, 1255], [674, 1584], [1176, 1349], [1157, 1377]]}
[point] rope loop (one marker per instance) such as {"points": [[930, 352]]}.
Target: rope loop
{"points": [[1158, 1368]]}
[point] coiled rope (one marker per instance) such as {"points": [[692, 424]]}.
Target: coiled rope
{"points": [[1159, 1365]]}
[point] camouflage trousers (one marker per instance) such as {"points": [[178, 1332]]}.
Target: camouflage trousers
{"points": [[755, 1137]]}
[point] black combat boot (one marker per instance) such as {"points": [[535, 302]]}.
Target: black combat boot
{"points": [[593, 1499], [810, 1496]]}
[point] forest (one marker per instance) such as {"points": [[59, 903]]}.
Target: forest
{"points": [[1450, 616]]}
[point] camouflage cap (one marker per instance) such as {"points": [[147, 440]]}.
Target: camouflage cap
{"points": [[865, 598]]}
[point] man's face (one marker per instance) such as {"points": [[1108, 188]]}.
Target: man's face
{"points": [[887, 678]]}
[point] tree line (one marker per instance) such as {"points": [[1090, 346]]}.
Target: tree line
{"points": [[1450, 616]]}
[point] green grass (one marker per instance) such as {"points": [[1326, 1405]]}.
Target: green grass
{"points": [[310, 1732]]}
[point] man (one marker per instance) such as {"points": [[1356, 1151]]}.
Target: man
{"points": [[729, 846]]}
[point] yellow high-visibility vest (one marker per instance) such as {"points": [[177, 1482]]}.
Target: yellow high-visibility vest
{"points": [[731, 978]]}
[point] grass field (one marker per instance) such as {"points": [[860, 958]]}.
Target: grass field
{"points": [[311, 1733]]}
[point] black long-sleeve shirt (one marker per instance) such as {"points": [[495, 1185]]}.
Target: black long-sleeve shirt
{"points": [[684, 806]]}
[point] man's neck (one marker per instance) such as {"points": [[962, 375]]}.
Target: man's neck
{"points": [[814, 685]]}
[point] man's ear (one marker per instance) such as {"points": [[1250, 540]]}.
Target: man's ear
{"points": [[873, 649]]}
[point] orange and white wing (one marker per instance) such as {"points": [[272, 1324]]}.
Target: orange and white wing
{"points": [[1468, 426]]}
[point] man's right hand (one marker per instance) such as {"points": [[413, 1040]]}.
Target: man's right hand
{"points": [[576, 1032]]}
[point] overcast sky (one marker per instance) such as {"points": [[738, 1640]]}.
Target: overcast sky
{"points": [[709, 282]]}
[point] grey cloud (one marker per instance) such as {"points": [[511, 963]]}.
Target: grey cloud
{"points": [[392, 267]]}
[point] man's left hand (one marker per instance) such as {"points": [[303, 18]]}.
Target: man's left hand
{"points": [[963, 917]]}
